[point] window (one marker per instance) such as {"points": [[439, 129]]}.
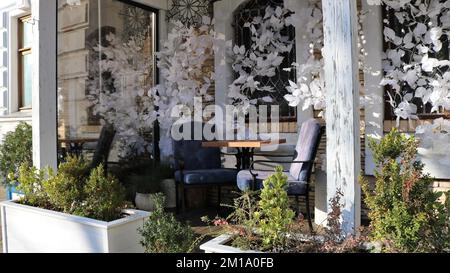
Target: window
{"points": [[105, 58], [25, 62], [423, 109], [244, 14]]}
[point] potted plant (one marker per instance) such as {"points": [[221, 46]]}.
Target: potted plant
{"points": [[15, 150], [263, 222], [162, 233], [74, 210], [146, 186], [148, 181]]}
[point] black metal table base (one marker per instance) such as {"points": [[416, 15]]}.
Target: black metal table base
{"points": [[244, 158]]}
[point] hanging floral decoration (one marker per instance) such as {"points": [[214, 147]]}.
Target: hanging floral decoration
{"points": [[309, 90], [121, 97], [262, 59], [183, 63], [412, 65]]}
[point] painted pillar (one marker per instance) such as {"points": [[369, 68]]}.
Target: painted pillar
{"points": [[374, 108], [342, 104], [44, 83]]}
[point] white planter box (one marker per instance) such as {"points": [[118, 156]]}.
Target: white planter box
{"points": [[28, 229], [218, 245]]}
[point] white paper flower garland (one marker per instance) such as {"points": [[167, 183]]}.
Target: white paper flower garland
{"points": [[181, 62]]}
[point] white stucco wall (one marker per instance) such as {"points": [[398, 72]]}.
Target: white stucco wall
{"points": [[10, 10]]}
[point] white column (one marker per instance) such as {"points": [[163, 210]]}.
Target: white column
{"points": [[341, 76], [44, 83], [374, 109]]}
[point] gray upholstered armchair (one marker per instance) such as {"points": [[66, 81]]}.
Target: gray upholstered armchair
{"points": [[299, 174], [197, 166]]}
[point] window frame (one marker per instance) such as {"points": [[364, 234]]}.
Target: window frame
{"points": [[21, 53]]}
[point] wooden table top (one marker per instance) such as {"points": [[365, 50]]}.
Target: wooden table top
{"points": [[241, 143]]}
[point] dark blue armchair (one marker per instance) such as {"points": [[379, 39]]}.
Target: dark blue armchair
{"points": [[197, 166], [299, 174]]}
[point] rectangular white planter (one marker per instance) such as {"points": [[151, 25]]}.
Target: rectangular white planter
{"points": [[218, 245], [28, 229]]}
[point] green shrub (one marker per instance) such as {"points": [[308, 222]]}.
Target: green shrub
{"points": [[15, 150], [73, 190], [104, 196], [162, 233], [31, 182], [66, 190], [405, 213], [274, 214]]}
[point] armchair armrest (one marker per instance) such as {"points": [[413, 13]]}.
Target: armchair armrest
{"points": [[275, 161], [275, 155]]}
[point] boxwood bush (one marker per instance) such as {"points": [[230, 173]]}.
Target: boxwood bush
{"points": [[406, 214], [15, 150], [75, 189]]}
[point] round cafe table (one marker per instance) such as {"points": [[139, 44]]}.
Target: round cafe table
{"points": [[245, 149]]}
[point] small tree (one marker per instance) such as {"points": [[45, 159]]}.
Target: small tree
{"points": [[162, 233], [15, 150], [405, 213], [274, 214]]}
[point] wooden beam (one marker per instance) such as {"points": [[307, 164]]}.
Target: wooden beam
{"points": [[342, 107]]}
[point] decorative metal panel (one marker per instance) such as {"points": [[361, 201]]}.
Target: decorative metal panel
{"points": [[190, 12], [245, 13]]}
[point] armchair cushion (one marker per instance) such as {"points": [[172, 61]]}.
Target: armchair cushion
{"points": [[306, 149], [245, 181], [206, 176]]}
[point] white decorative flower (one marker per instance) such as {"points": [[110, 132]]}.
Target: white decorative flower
{"points": [[374, 2], [405, 110]]}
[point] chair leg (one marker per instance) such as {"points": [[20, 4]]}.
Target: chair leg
{"points": [[297, 205], [308, 213], [253, 186], [183, 198]]}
